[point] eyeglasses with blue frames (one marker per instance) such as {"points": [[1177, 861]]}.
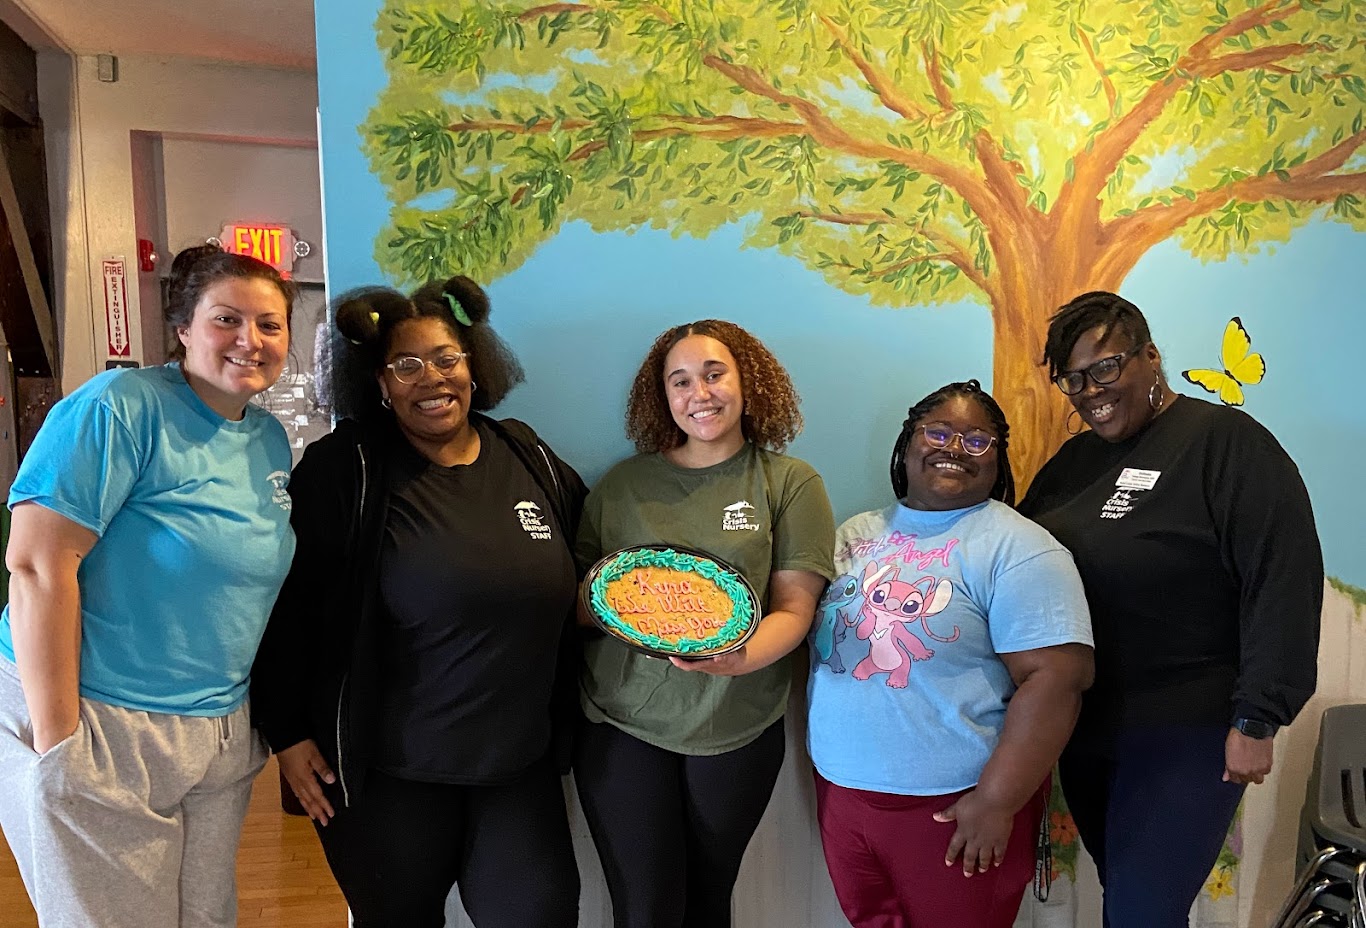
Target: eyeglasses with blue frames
{"points": [[975, 442], [1104, 371], [410, 369]]}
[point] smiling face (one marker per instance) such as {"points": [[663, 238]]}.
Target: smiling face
{"points": [[702, 384], [1119, 410], [434, 410], [236, 342], [949, 477]]}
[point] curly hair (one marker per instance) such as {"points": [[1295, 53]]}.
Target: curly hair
{"points": [[770, 418], [1097, 309], [1004, 487], [367, 319]]}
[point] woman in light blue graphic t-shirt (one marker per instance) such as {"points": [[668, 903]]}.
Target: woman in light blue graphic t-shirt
{"points": [[948, 661], [150, 538]]}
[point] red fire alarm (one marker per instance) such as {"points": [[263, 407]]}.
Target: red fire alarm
{"points": [[147, 256]]}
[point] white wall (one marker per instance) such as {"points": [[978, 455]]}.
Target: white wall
{"points": [[89, 129], [202, 183], [207, 182]]}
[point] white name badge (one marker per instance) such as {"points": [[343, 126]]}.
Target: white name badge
{"points": [[1131, 478]]}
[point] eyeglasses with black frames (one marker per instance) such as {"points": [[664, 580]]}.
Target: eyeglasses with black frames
{"points": [[975, 442], [410, 369], [1106, 370]]}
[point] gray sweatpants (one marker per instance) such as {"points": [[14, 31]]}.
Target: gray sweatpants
{"points": [[134, 820]]}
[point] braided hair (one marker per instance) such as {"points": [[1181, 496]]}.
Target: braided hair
{"points": [[1004, 487], [1097, 309]]}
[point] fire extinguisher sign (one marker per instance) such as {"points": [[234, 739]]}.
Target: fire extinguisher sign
{"points": [[116, 307]]}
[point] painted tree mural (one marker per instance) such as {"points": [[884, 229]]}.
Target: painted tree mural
{"points": [[918, 151]]}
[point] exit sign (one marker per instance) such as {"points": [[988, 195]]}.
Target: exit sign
{"points": [[273, 244]]}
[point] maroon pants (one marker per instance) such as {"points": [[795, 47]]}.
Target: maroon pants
{"points": [[886, 857]]}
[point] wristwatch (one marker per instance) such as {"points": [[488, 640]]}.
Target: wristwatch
{"points": [[1255, 728]]}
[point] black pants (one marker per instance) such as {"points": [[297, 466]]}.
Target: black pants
{"points": [[671, 829], [399, 850], [1152, 811]]}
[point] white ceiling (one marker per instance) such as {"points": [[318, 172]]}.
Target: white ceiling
{"points": [[274, 33]]}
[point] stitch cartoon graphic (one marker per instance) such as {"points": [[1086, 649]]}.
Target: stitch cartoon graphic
{"points": [[835, 620], [890, 608]]}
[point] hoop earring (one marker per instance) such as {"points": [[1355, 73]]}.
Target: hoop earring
{"points": [[384, 401], [1081, 426], [1161, 397], [473, 386]]}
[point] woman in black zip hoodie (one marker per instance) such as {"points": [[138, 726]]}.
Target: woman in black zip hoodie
{"points": [[417, 675]]}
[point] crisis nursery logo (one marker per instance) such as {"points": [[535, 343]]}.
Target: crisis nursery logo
{"points": [[279, 480], [529, 514], [737, 517]]}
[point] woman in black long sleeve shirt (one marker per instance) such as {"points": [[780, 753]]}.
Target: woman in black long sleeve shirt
{"points": [[419, 674], [1195, 540]]}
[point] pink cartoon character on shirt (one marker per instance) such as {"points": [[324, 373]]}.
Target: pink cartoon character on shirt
{"points": [[890, 607]]}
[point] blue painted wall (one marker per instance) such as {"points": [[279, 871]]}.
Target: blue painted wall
{"points": [[582, 312]]}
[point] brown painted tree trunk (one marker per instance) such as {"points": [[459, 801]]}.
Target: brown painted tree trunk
{"points": [[1036, 410], [1032, 289]]}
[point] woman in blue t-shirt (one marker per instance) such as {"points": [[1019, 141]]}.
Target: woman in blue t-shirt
{"points": [[150, 537], [949, 658]]}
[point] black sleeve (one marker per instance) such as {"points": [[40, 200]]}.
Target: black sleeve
{"points": [[573, 492], [1269, 543], [566, 490], [565, 712], [288, 664], [1045, 483]]}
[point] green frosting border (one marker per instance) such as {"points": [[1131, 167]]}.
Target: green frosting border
{"points": [[729, 583]]}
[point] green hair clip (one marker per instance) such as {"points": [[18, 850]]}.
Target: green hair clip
{"points": [[457, 310]]}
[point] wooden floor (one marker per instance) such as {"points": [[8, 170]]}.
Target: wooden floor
{"points": [[282, 878]]}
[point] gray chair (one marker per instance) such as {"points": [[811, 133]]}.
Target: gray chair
{"points": [[1331, 887]]}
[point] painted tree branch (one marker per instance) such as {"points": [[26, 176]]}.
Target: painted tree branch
{"points": [[1313, 181], [722, 128], [554, 9], [963, 261], [935, 72], [950, 251], [1111, 95], [1092, 169], [711, 128], [1259, 58], [715, 128], [823, 129], [1000, 173], [848, 219], [885, 89], [882, 273], [724, 134]]}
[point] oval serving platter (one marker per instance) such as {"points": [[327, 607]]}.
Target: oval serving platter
{"points": [[671, 601]]}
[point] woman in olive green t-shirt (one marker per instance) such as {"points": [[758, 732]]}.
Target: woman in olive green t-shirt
{"points": [[678, 759]]}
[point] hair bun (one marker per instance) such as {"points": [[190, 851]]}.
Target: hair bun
{"points": [[357, 318], [470, 296], [187, 258]]}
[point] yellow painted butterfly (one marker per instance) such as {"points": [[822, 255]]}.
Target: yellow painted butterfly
{"points": [[1242, 366]]}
